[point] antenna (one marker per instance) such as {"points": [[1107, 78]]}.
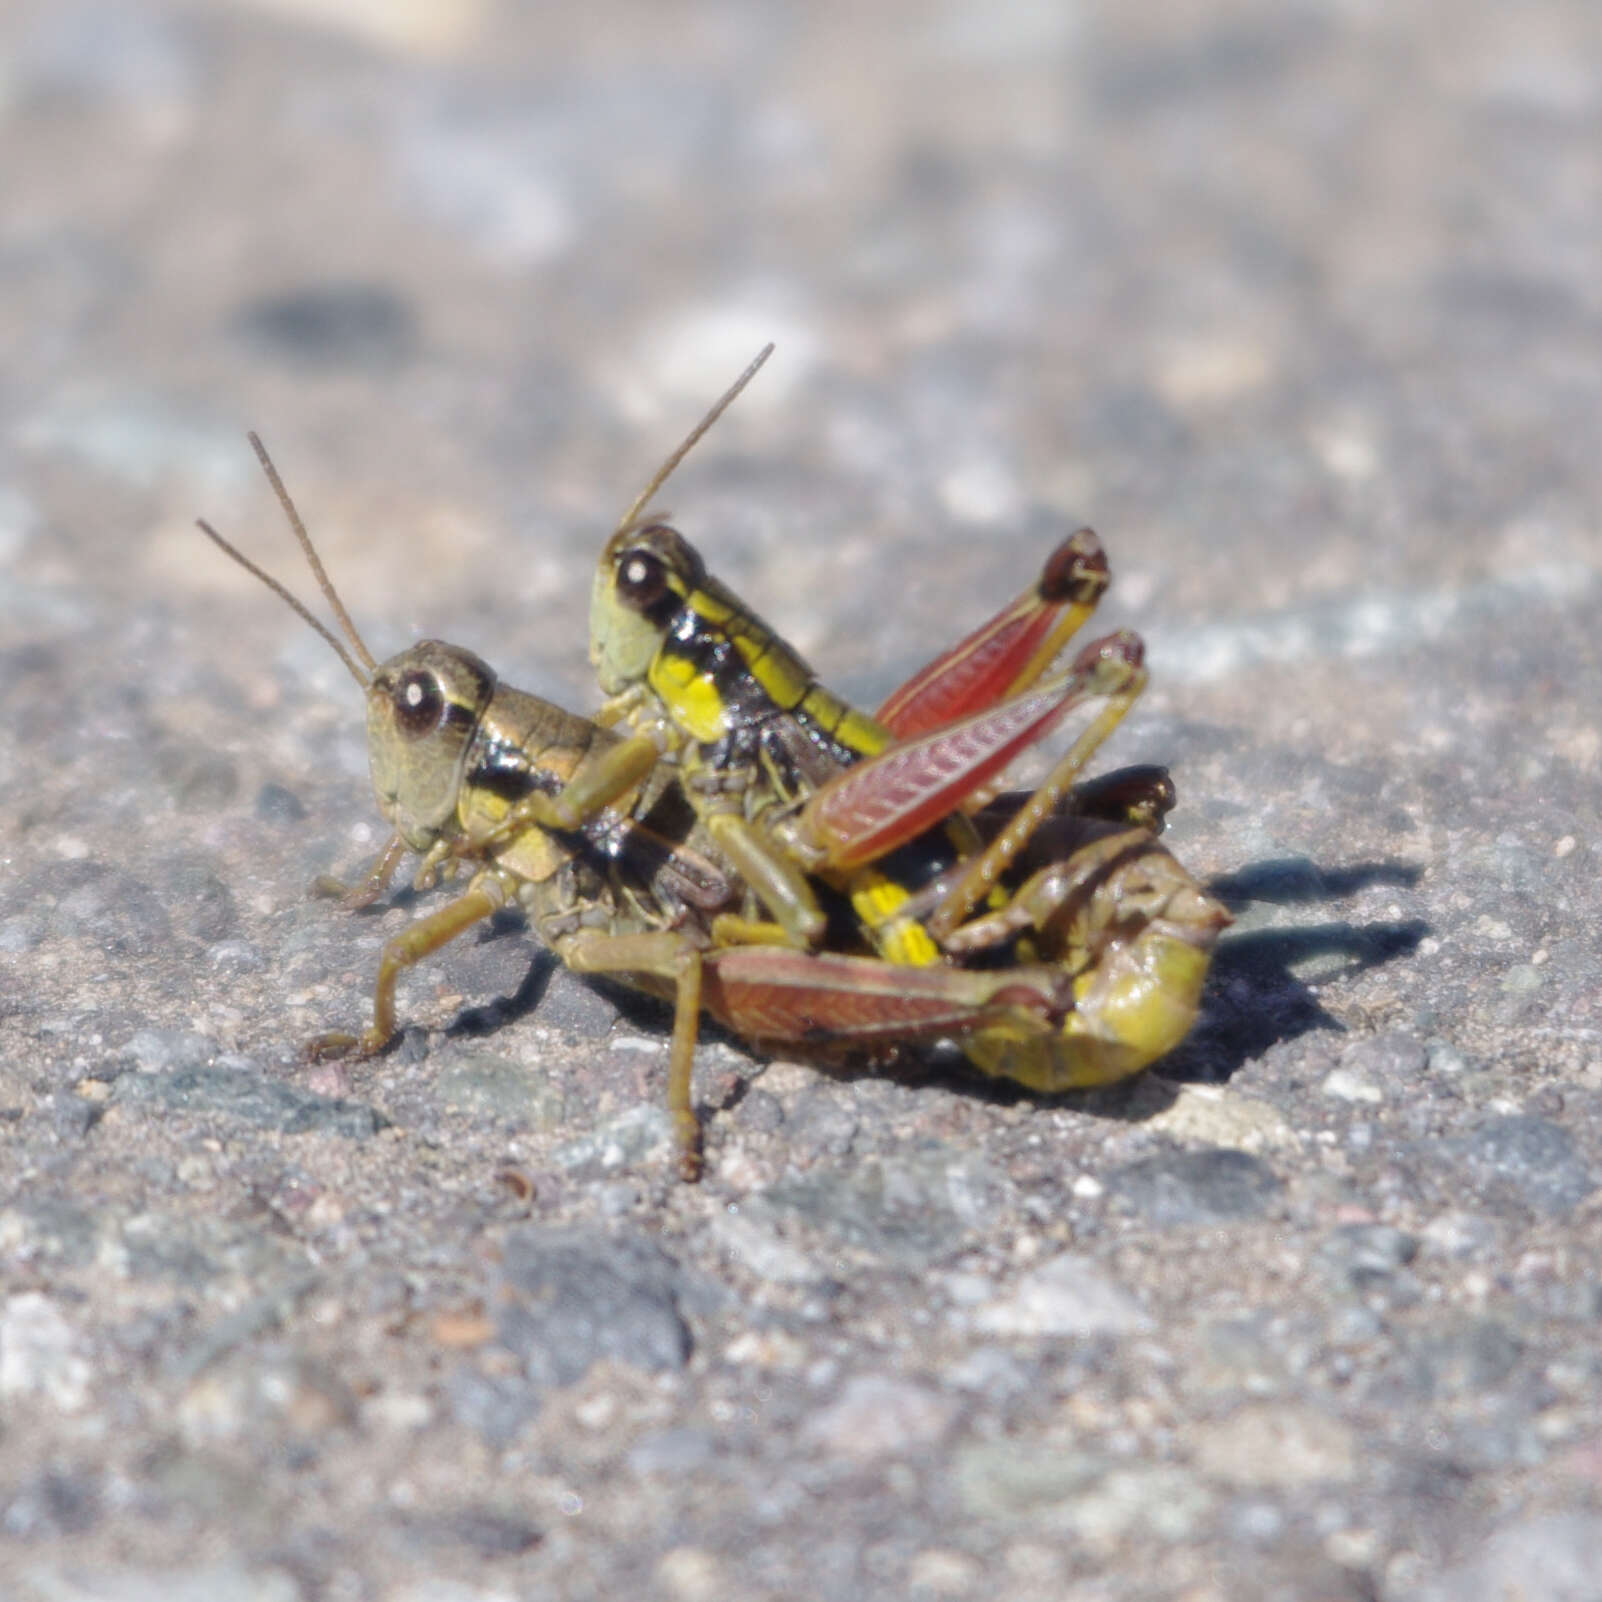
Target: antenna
{"points": [[323, 581], [719, 407], [283, 595]]}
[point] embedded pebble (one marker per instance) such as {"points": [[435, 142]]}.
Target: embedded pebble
{"points": [[905, 1210], [576, 1296], [1470, 1360], [1269, 1446], [250, 1098], [1346, 1085], [39, 1353], [1196, 1187], [52, 1505], [1533, 1158], [876, 1416], [220, 1582], [1395, 1057], [639, 1134], [481, 1084], [1358, 1255], [1556, 1557], [1067, 1296], [1158, 1501], [759, 1248], [1065, 1492], [160, 1051], [1212, 1115], [1020, 1479], [672, 1452], [277, 804]]}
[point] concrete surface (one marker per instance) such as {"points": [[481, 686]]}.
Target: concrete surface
{"points": [[1299, 305]]}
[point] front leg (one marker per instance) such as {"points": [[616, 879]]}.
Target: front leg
{"points": [[483, 899], [352, 898]]}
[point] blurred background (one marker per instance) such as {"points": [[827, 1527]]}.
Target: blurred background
{"points": [[1291, 302]]}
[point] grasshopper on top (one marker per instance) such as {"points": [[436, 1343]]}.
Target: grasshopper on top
{"points": [[806, 795]]}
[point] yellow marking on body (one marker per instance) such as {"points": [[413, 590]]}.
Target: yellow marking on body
{"points": [[878, 902], [690, 696]]}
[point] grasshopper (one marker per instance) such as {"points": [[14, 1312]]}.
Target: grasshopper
{"points": [[634, 890], [800, 790]]}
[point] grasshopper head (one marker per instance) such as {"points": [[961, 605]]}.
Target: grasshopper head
{"points": [[645, 578], [423, 708]]}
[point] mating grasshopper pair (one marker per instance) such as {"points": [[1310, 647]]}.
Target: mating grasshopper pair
{"points": [[755, 847]]}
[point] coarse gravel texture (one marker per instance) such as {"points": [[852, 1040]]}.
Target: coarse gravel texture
{"points": [[1297, 304]]}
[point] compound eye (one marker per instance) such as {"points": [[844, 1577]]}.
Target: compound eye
{"points": [[419, 704], [641, 578]]}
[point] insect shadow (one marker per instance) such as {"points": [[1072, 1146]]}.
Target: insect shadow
{"points": [[1255, 996]]}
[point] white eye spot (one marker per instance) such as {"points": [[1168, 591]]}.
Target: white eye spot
{"points": [[414, 694], [636, 571]]}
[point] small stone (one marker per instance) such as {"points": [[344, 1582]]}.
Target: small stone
{"points": [[1531, 1157], [1445, 1058], [52, 1505], [495, 1406], [1161, 1501], [1021, 1480], [278, 805], [1471, 1360], [692, 1574], [236, 956], [200, 779], [1459, 1234], [487, 1532], [160, 1051], [397, 1411], [1213, 1115], [941, 1571], [823, 1123], [638, 1135], [1359, 1255], [39, 1353], [222, 1582], [1394, 1058], [481, 1084], [905, 1210], [672, 1453], [1068, 1295], [1196, 1187], [760, 1112], [879, 1416], [1550, 1558], [576, 1296], [1269, 1447], [1345, 1085], [756, 1245], [767, 1348], [202, 903], [250, 1098]]}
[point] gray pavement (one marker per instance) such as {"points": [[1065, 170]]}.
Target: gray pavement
{"points": [[1298, 305]]}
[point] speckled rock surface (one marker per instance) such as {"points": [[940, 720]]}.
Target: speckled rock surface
{"points": [[1297, 305]]}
